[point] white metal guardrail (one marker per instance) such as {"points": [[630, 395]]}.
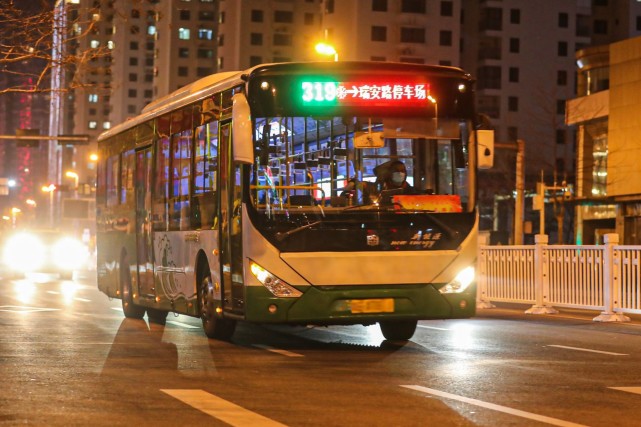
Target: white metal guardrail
{"points": [[604, 277]]}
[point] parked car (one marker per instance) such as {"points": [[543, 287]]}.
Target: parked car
{"points": [[46, 251]]}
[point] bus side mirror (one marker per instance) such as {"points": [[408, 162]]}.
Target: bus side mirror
{"points": [[242, 135], [485, 145]]}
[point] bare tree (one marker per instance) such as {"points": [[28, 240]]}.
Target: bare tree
{"points": [[28, 49]]}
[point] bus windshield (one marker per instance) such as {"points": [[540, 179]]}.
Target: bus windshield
{"points": [[311, 171]]}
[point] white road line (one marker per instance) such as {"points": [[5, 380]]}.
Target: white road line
{"points": [[116, 308], [505, 409], [82, 299], [277, 350], [587, 350], [432, 327], [53, 292], [636, 390], [182, 325], [222, 409]]}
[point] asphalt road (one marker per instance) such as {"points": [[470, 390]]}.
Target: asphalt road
{"points": [[69, 358]]}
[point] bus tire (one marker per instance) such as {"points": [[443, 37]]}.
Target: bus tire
{"points": [[214, 326], [157, 316], [398, 330], [130, 310]]}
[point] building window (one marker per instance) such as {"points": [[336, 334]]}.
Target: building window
{"points": [[92, 111], [445, 38], [205, 34], [131, 109], [412, 35], [133, 61], [149, 61], [489, 77], [206, 15], [560, 106], [379, 33], [447, 8], [93, 124], [515, 45], [413, 6], [379, 5], [563, 20], [512, 103], [562, 49], [255, 60], [221, 39], [514, 74], [183, 71], [256, 39], [281, 39], [151, 30], [512, 133], [638, 23], [183, 33], [283, 16], [133, 77], [133, 45], [491, 19], [135, 13], [132, 93], [220, 62], [184, 15], [205, 53], [183, 52], [256, 15], [600, 26], [106, 125], [93, 97], [560, 136], [329, 6], [204, 71], [561, 77], [221, 18], [94, 44], [309, 19], [515, 16], [149, 78]]}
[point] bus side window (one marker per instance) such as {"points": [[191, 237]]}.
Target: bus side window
{"points": [[203, 207], [113, 164]]}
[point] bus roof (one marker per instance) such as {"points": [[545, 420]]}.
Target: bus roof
{"points": [[215, 82]]}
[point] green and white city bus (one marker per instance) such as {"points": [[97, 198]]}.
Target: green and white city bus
{"points": [[259, 196]]}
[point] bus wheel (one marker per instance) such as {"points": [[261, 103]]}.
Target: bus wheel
{"points": [[214, 326], [130, 309], [398, 330], [157, 316]]}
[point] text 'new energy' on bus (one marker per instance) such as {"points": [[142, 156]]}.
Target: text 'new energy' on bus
{"points": [[261, 196]]}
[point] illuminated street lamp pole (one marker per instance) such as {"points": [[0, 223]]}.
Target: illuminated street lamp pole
{"points": [[74, 175], [50, 189], [326, 49]]}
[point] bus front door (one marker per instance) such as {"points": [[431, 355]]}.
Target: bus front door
{"points": [[231, 254], [144, 241]]}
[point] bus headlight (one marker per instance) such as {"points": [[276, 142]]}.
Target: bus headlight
{"points": [[276, 286], [460, 283]]}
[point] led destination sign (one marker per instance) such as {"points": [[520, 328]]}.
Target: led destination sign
{"points": [[364, 93]]}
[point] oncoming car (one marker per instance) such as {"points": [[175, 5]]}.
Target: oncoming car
{"points": [[43, 251]]}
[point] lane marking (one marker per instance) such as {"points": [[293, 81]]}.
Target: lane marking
{"points": [[53, 292], [82, 299], [24, 309], [277, 350], [116, 308], [636, 390], [432, 327], [587, 350], [500, 408], [221, 409], [182, 325]]}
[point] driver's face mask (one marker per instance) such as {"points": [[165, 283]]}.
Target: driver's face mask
{"points": [[398, 178]]}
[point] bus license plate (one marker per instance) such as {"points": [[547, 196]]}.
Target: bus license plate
{"points": [[381, 305]]}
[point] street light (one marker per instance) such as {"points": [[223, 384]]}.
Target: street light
{"points": [[50, 189], [326, 49], [74, 175]]}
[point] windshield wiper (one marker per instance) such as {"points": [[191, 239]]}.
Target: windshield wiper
{"points": [[282, 236]]}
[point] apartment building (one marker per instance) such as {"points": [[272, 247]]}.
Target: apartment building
{"points": [[253, 32]]}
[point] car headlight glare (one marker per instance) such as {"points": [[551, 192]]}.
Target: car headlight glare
{"points": [[461, 282], [69, 253], [275, 285], [24, 252]]}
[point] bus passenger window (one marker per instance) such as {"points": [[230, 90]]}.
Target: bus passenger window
{"points": [[112, 180]]}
